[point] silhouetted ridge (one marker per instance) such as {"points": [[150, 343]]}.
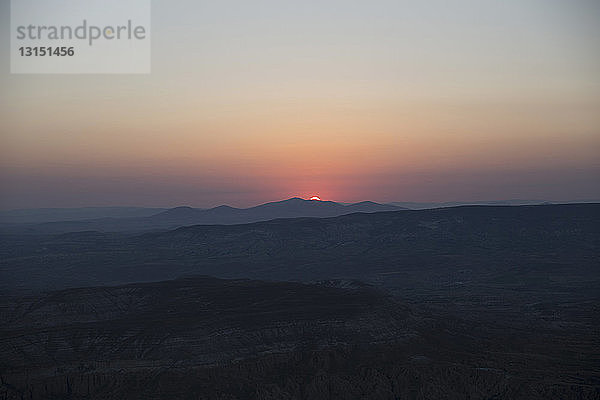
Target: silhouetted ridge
{"points": [[176, 211], [221, 215]]}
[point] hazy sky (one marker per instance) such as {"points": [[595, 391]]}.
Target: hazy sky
{"points": [[252, 101]]}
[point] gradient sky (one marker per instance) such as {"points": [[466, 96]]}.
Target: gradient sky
{"points": [[253, 101]]}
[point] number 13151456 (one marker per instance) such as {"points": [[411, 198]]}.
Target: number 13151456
{"points": [[46, 51]]}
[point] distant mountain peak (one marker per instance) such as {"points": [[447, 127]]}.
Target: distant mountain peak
{"points": [[181, 210], [366, 202], [290, 200], [224, 207]]}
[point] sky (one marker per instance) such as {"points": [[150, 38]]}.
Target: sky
{"points": [[249, 102]]}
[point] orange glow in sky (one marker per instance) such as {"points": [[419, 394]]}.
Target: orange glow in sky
{"points": [[383, 101]]}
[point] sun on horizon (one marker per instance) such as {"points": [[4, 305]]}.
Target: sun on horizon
{"points": [[317, 198]]}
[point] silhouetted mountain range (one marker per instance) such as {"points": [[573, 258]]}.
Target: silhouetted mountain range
{"points": [[290, 208], [137, 219], [221, 215]]}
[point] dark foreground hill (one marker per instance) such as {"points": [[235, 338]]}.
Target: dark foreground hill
{"points": [[203, 338]]}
